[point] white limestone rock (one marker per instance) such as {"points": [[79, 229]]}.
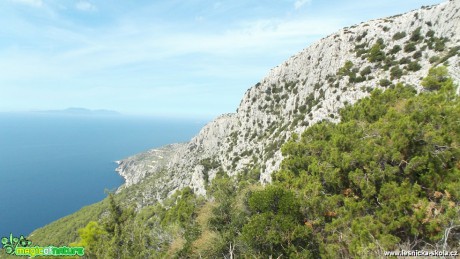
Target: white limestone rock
{"points": [[302, 91]]}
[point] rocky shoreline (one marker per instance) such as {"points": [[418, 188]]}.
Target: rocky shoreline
{"points": [[135, 168]]}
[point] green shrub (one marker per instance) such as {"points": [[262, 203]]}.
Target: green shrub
{"points": [[346, 69], [434, 59], [417, 54], [399, 35], [387, 173], [430, 34], [409, 47], [359, 79], [416, 35], [384, 82], [452, 52], [366, 71], [375, 53], [389, 62], [413, 66], [437, 77], [395, 49], [275, 226], [360, 37], [404, 60], [439, 45], [395, 73]]}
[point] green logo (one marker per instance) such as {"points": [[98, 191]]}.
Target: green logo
{"points": [[23, 247]]}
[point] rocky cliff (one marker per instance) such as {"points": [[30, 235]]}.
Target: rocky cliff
{"points": [[309, 87]]}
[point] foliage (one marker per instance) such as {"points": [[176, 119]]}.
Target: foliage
{"points": [[395, 72], [208, 164], [346, 69], [409, 47], [366, 71], [113, 238], [384, 82], [414, 66], [434, 59], [452, 52], [416, 35], [275, 227], [386, 176], [90, 236], [395, 49], [65, 230], [417, 54], [376, 53], [399, 35], [438, 44], [437, 77], [388, 173]]}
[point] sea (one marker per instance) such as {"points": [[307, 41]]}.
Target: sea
{"points": [[53, 165]]}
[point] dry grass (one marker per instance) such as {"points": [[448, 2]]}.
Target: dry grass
{"points": [[204, 214], [206, 243]]}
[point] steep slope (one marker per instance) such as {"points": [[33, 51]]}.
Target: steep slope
{"points": [[309, 87]]}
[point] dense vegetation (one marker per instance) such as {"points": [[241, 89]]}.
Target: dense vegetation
{"points": [[387, 177]]}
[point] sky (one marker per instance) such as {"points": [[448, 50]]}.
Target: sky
{"points": [[174, 58]]}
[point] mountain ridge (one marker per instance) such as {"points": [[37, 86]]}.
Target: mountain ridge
{"points": [[309, 87]]}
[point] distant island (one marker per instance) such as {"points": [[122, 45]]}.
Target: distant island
{"points": [[81, 111]]}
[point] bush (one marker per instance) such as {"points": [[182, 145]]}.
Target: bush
{"points": [[375, 53], [399, 35], [346, 68], [395, 49], [437, 77], [389, 62], [275, 226], [410, 47], [384, 82], [360, 37], [416, 35], [395, 73], [366, 71], [439, 45], [417, 55], [404, 60], [414, 66], [430, 34], [386, 174], [359, 79], [434, 59]]}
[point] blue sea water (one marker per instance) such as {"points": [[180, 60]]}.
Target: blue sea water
{"points": [[52, 165]]}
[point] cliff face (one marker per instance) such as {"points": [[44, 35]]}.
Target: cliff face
{"points": [[135, 168], [309, 87]]}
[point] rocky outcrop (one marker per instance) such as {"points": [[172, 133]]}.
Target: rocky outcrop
{"points": [[135, 168], [309, 87]]}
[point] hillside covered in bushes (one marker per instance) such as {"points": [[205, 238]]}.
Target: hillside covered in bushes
{"points": [[387, 177]]}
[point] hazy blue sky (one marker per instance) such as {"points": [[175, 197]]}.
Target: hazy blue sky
{"points": [[183, 58]]}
